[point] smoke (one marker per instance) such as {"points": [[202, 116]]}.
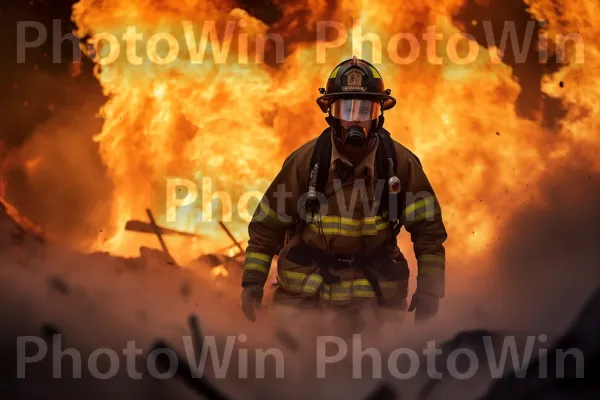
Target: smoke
{"points": [[543, 267], [539, 278], [532, 102], [58, 180], [549, 258]]}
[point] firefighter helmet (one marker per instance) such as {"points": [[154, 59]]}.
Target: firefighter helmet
{"points": [[356, 79]]}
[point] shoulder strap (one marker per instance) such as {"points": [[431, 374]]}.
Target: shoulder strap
{"points": [[386, 151], [322, 155]]}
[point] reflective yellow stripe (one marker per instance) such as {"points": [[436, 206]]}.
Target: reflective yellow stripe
{"points": [[265, 208], [362, 288], [334, 73], [369, 293], [272, 215], [256, 267], [256, 261], [294, 275], [432, 258], [312, 284], [389, 284], [347, 232], [341, 291], [431, 270], [421, 210], [259, 256], [424, 215], [418, 204], [348, 221], [297, 281], [382, 225], [375, 73], [334, 225]]}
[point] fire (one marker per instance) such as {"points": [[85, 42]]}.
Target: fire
{"points": [[219, 270], [235, 122]]}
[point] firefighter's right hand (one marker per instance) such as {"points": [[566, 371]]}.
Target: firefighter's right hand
{"points": [[251, 298], [425, 307]]}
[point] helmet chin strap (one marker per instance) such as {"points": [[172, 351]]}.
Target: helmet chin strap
{"points": [[380, 122]]}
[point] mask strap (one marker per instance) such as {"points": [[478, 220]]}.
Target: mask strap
{"points": [[329, 119], [380, 121]]}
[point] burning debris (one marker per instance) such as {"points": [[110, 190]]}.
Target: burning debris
{"points": [[217, 262], [21, 226]]}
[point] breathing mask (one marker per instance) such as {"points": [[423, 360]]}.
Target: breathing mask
{"points": [[355, 121]]}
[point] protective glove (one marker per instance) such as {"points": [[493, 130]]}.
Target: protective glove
{"points": [[425, 306], [251, 298]]}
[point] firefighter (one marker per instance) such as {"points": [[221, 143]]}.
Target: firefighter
{"points": [[333, 212]]}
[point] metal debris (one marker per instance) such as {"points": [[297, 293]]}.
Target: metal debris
{"points": [[59, 285], [233, 239], [200, 385], [158, 234], [197, 339], [145, 227], [287, 339], [383, 392]]}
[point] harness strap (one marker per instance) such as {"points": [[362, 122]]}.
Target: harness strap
{"points": [[305, 255]]}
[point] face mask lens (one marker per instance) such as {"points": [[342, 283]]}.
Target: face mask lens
{"points": [[355, 110]]}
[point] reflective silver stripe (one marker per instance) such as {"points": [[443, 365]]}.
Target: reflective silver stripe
{"points": [[312, 284], [300, 282], [334, 225], [340, 291]]}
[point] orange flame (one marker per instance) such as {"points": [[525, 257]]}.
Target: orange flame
{"points": [[235, 122]]}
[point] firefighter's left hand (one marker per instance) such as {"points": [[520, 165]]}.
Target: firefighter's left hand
{"points": [[425, 306], [251, 298]]}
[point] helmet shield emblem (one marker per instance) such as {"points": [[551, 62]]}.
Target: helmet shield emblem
{"points": [[355, 78]]}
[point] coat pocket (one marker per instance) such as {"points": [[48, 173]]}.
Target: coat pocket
{"points": [[393, 281], [297, 274]]}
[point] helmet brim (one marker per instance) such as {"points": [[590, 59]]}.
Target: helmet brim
{"points": [[387, 101]]}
